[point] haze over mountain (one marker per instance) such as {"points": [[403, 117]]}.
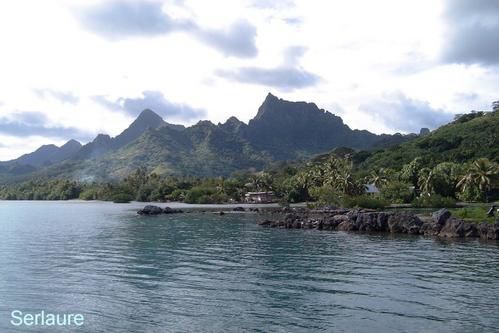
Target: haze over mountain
{"points": [[48, 154], [281, 130], [103, 143]]}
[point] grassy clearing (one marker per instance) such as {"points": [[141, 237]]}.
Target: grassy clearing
{"points": [[477, 214]]}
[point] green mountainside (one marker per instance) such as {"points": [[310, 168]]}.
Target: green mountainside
{"points": [[471, 136]]}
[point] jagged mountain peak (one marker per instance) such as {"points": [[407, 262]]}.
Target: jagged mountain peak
{"points": [[148, 116], [233, 120], [275, 107], [101, 138], [71, 144]]}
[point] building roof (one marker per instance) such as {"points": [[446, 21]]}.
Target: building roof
{"points": [[259, 193], [371, 188]]}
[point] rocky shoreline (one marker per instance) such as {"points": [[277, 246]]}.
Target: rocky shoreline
{"points": [[440, 224]]}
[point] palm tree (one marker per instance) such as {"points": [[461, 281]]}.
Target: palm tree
{"points": [[378, 178], [480, 175], [425, 180], [221, 186]]}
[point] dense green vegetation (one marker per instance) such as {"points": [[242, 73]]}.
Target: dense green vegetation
{"points": [[469, 137], [329, 180]]}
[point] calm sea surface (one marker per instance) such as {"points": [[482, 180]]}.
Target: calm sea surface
{"points": [[207, 273]]}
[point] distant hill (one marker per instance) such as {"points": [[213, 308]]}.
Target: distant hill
{"points": [[281, 130], [44, 156], [467, 138]]}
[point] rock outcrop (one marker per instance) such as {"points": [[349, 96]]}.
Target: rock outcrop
{"points": [[442, 224], [155, 210]]}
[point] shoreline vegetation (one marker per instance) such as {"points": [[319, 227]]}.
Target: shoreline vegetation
{"points": [[332, 179]]}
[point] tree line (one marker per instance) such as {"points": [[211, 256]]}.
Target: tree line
{"points": [[332, 180]]}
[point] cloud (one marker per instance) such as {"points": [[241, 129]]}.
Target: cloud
{"points": [[237, 40], [34, 123], [401, 113], [155, 101], [272, 4], [466, 96], [63, 96], [288, 76], [31, 118], [120, 19], [285, 78], [293, 54], [293, 20], [473, 36]]}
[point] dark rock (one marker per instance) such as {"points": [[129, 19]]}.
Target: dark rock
{"points": [[348, 225], [427, 229], [265, 222], [320, 224], [455, 228], [238, 209], [488, 231], [150, 210], [168, 210], [221, 213], [470, 230], [440, 216], [404, 223], [372, 221]]}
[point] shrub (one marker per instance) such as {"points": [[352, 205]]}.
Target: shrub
{"points": [[122, 198], [363, 201], [325, 195], [177, 195], [205, 195], [90, 194], [397, 192], [434, 201]]}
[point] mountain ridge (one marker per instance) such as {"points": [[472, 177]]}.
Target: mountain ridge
{"points": [[281, 130]]}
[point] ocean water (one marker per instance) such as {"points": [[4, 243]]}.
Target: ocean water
{"points": [[207, 273]]}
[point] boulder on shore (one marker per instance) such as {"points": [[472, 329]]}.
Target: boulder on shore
{"points": [[168, 210], [441, 216], [456, 228], [155, 210], [488, 231], [150, 210]]}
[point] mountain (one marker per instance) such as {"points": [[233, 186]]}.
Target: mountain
{"points": [[204, 149], [145, 121], [291, 130], [281, 130], [45, 155], [103, 143], [467, 138]]}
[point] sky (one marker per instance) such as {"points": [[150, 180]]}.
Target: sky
{"points": [[73, 69]]}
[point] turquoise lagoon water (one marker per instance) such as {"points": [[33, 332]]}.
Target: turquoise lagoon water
{"points": [[208, 273]]}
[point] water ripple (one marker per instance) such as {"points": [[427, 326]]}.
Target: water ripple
{"points": [[207, 273]]}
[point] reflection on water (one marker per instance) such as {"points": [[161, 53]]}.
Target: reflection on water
{"points": [[202, 272]]}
